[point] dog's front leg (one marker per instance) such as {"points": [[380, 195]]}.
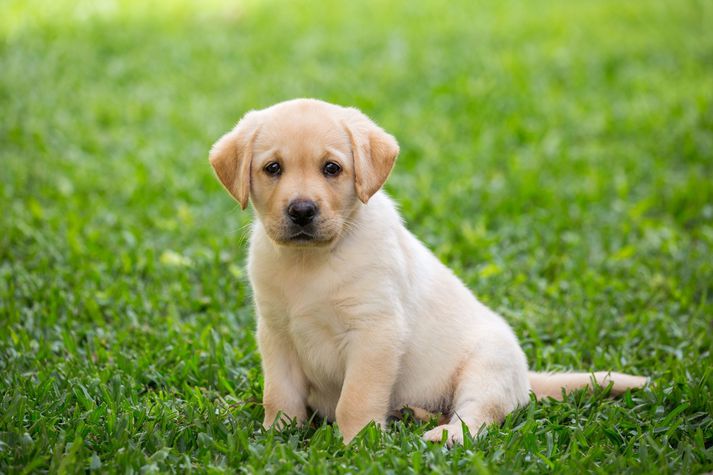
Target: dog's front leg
{"points": [[285, 390], [372, 366]]}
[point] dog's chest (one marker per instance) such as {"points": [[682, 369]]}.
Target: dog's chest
{"points": [[319, 341], [305, 302]]}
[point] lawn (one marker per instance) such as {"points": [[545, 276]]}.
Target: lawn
{"points": [[557, 155]]}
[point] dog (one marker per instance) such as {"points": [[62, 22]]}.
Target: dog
{"points": [[356, 318]]}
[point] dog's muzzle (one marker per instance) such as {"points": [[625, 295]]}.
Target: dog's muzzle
{"points": [[301, 213]]}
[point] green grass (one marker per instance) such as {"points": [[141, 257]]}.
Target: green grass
{"points": [[557, 155]]}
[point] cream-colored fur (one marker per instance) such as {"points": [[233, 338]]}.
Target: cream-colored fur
{"points": [[361, 319]]}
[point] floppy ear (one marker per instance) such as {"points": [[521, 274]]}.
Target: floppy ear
{"points": [[374, 152], [231, 156]]}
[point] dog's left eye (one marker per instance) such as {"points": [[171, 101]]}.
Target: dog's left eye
{"points": [[273, 169], [331, 169]]}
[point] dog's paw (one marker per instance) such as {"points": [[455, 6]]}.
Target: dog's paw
{"points": [[280, 421], [454, 437]]}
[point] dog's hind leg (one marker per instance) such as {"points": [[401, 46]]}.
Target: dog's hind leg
{"points": [[489, 385]]}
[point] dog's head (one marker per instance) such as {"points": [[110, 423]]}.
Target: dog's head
{"points": [[306, 165]]}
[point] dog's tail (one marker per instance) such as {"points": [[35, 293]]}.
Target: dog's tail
{"points": [[552, 384]]}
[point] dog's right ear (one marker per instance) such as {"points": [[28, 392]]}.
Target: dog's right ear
{"points": [[231, 157]]}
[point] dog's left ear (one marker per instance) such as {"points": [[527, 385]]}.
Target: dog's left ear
{"points": [[374, 152], [231, 157]]}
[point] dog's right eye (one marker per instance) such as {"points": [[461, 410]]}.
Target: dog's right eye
{"points": [[273, 169]]}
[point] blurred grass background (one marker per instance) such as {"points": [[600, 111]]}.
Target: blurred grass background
{"points": [[557, 155]]}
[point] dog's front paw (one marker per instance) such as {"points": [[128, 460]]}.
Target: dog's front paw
{"points": [[279, 420], [352, 429], [454, 434], [271, 420]]}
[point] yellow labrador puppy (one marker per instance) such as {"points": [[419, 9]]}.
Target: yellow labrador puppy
{"points": [[355, 316]]}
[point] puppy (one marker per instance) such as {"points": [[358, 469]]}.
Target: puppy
{"points": [[355, 316]]}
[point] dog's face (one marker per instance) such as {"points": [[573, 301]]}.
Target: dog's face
{"points": [[307, 165], [302, 176]]}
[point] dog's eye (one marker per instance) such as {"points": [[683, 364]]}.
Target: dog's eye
{"points": [[273, 169], [331, 169]]}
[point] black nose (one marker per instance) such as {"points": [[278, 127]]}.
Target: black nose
{"points": [[302, 212]]}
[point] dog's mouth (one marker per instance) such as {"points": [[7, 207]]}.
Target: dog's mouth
{"points": [[310, 235], [302, 236]]}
